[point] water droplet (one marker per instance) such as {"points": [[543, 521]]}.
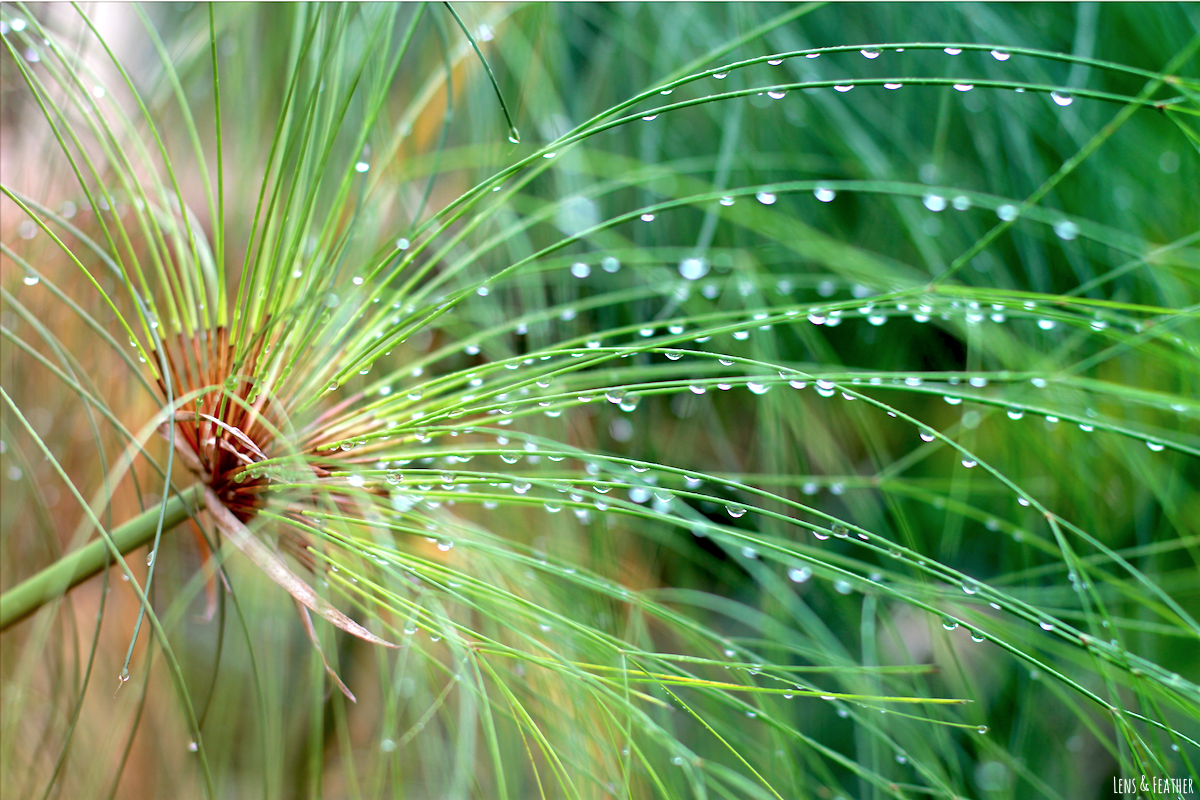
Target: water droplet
{"points": [[969, 589], [610, 264], [927, 436], [1155, 446], [693, 269], [580, 269], [842, 587], [870, 53], [949, 624], [892, 86], [766, 198], [650, 117], [799, 574], [1007, 212], [27, 229], [333, 385], [749, 552], [647, 218], [193, 747], [1066, 230], [735, 511], [1046, 626], [982, 729], [820, 534], [977, 637], [777, 94], [758, 388], [843, 87], [1046, 324], [824, 194], [934, 202], [964, 87], [952, 51], [775, 62], [362, 166], [31, 279], [1062, 98], [720, 75], [969, 463], [514, 135]]}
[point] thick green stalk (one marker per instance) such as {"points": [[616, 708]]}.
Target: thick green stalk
{"points": [[75, 568]]}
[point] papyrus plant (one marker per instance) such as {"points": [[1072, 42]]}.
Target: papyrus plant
{"points": [[767, 418]]}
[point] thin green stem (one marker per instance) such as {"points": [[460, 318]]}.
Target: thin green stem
{"points": [[73, 569]]}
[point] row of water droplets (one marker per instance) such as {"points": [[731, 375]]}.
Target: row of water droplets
{"points": [[1060, 98], [694, 268], [627, 400]]}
